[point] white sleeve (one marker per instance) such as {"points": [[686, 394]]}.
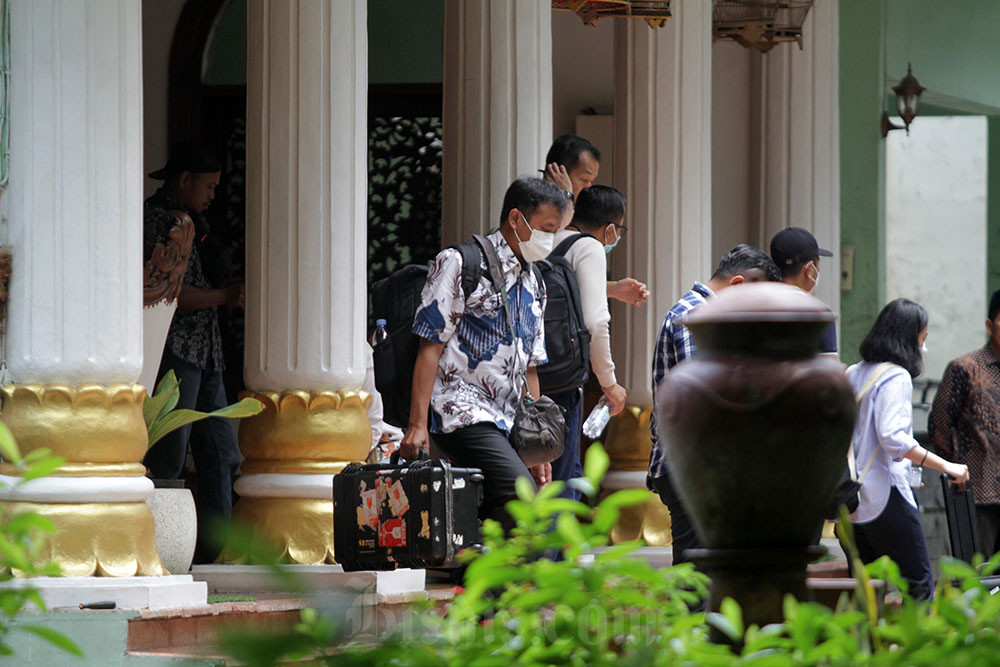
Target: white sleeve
{"points": [[591, 266]]}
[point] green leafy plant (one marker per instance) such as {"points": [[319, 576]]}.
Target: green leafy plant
{"points": [[161, 416], [551, 592], [22, 537]]}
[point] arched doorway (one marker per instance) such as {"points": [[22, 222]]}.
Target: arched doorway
{"points": [[207, 103]]}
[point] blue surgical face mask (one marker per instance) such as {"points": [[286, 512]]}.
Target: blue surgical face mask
{"points": [[609, 248]]}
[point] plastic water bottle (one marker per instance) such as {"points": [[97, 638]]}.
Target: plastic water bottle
{"points": [[381, 333], [597, 419]]}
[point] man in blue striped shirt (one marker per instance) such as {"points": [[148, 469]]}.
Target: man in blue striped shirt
{"points": [[742, 264]]}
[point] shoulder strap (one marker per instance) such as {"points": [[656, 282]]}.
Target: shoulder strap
{"points": [[561, 249], [472, 268], [870, 381]]}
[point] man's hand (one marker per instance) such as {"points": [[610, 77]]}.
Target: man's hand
{"points": [[556, 173], [542, 474], [414, 441], [236, 295], [617, 395], [628, 290]]}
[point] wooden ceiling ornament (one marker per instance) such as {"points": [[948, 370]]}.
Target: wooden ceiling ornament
{"points": [[760, 24], [655, 12]]}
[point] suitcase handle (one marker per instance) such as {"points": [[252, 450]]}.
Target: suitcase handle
{"points": [[394, 459]]}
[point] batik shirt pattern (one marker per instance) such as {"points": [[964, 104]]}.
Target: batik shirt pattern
{"points": [[673, 345], [478, 377], [194, 336], [965, 420]]}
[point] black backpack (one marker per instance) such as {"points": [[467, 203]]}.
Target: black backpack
{"points": [[395, 299], [567, 340]]}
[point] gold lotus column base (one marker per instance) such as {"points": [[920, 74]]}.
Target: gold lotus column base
{"points": [[292, 450], [97, 539], [649, 521], [287, 530], [100, 431], [628, 445]]}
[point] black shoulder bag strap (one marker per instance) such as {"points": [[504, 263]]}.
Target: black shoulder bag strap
{"points": [[563, 248]]}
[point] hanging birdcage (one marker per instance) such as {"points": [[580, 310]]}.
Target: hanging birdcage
{"points": [[760, 24], [655, 12]]}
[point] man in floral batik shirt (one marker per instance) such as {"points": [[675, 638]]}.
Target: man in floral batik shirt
{"points": [[469, 367]]}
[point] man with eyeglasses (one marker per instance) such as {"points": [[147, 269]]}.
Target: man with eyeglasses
{"points": [[597, 228]]}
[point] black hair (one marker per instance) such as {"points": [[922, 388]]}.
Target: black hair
{"points": [[743, 258], [527, 194], [598, 206], [994, 305], [567, 149], [894, 336], [794, 269]]}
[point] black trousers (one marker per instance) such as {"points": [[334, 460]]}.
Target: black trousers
{"points": [[988, 520], [486, 447], [897, 533], [682, 532]]}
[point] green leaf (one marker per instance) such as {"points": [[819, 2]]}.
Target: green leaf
{"points": [[723, 625], [43, 468], [178, 418], [8, 446], [596, 464], [163, 400], [524, 489], [731, 610], [569, 528], [627, 498]]}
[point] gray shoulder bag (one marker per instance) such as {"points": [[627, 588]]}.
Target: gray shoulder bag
{"points": [[539, 432]]}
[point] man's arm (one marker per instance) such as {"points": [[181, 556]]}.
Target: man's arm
{"points": [[947, 408], [628, 290], [424, 372], [195, 298]]}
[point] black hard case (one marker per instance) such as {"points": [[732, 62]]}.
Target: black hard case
{"points": [[962, 525], [416, 515]]}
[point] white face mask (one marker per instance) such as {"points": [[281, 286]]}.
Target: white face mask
{"points": [[815, 280], [923, 348], [537, 246]]}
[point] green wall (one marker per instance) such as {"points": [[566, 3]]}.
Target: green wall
{"points": [[862, 169], [954, 50], [405, 41], [952, 44]]}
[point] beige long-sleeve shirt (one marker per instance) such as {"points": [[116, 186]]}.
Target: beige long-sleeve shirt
{"points": [[589, 261]]}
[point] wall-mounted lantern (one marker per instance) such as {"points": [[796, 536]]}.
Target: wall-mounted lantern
{"points": [[907, 103]]}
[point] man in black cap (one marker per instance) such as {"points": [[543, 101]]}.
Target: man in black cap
{"points": [[797, 254], [194, 343]]}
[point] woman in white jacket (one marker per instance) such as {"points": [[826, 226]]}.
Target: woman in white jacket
{"points": [[886, 521]]}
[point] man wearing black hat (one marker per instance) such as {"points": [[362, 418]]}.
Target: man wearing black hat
{"points": [[797, 254], [194, 343]]}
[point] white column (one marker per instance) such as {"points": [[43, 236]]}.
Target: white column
{"points": [[74, 344], [307, 194], [75, 191], [497, 106], [796, 143], [663, 110], [307, 212]]}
